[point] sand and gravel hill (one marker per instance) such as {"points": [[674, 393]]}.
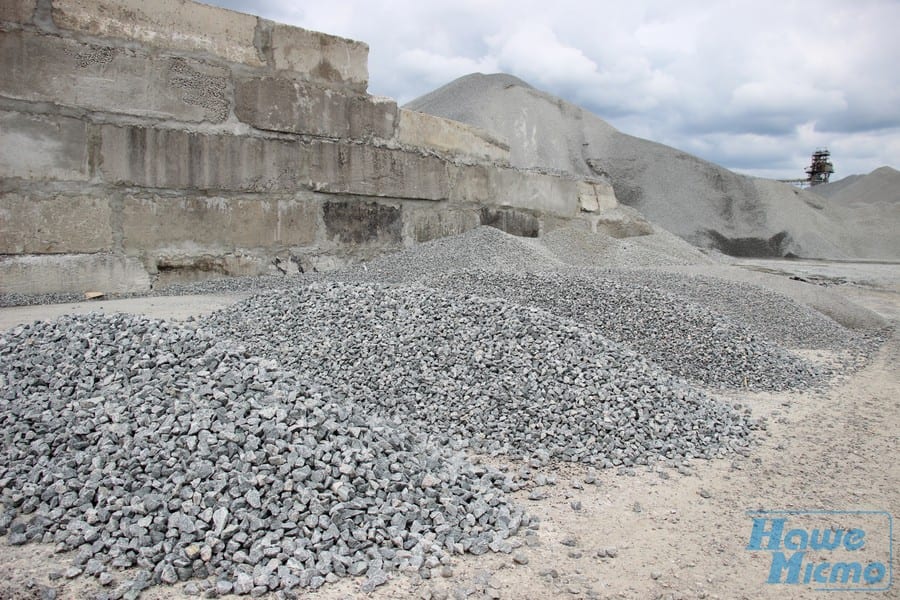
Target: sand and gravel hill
{"points": [[871, 204], [701, 202]]}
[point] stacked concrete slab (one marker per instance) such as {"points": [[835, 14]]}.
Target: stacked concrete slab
{"points": [[148, 142]]}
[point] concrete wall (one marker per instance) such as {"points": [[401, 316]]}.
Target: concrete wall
{"points": [[143, 143]]}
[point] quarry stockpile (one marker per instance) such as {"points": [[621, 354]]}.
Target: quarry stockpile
{"points": [[872, 204], [705, 204], [150, 143], [710, 330], [489, 374]]}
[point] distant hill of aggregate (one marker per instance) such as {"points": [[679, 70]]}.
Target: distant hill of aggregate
{"points": [[705, 204], [871, 204]]}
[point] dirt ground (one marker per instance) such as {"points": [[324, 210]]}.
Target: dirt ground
{"points": [[675, 533]]}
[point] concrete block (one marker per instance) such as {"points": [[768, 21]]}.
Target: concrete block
{"points": [[163, 158], [57, 224], [297, 221], [319, 56], [72, 273], [186, 268], [511, 221], [17, 11], [45, 68], [173, 24], [621, 222], [201, 224], [42, 147], [429, 224], [451, 137], [366, 170], [538, 192], [357, 223], [280, 104], [596, 196]]}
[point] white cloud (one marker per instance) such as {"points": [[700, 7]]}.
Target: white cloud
{"points": [[534, 52], [438, 69]]}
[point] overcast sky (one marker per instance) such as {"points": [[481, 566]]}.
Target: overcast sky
{"points": [[755, 86]]}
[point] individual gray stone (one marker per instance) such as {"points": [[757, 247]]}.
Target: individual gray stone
{"points": [[243, 584]]}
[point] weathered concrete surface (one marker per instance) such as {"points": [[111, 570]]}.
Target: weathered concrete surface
{"points": [[366, 170], [491, 185], [43, 147], [425, 223], [177, 267], [56, 224], [451, 137], [596, 196], [319, 56], [513, 222], [176, 159], [201, 224], [621, 222], [359, 223], [31, 274], [45, 68], [171, 24], [17, 11], [280, 104]]}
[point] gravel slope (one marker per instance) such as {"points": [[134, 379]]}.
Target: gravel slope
{"points": [[871, 204]]}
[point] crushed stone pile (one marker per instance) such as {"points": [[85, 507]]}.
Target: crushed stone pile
{"points": [[589, 249], [714, 332], [479, 248], [488, 375], [870, 203], [767, 313], [138, 443], [683, 337]]}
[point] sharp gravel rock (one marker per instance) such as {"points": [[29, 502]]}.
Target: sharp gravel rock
{"points": [[488, 375], [685, 338], [140, 443]]}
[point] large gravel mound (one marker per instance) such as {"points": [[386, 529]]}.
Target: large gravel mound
{"points": [[870, 203], [144, 444], [480, 248], [489, 375], [684, 337], [703, 203], [765, 312], [582, 248]]}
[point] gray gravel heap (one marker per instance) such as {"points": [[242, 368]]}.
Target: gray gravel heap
{"points": [[484, 247], [139, 443], [488, 374], [765, 312], [683, 337]]}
